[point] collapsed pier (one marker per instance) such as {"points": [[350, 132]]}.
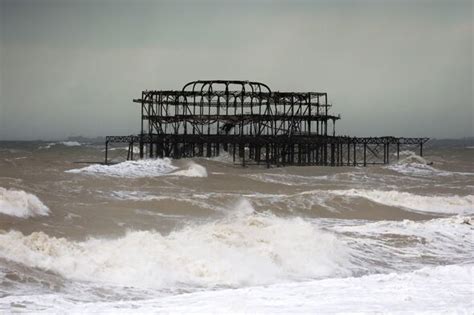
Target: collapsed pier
{"points": [[254, 125]]}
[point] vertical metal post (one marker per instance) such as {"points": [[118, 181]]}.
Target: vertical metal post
{"points": [[365, 154], [388, 152], [355, 156], [348, 153], [106, 150]]}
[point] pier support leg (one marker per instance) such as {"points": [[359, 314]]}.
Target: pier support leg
{"points": [[348, 154], [365, 154], [106, 151], [388, 153], [355, 154]]}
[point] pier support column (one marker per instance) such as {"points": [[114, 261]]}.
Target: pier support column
{"points": [[365, 154], [355, 154], [106, 151], [348, 154], [388, 153]]}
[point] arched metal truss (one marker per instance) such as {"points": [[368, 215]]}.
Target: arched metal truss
{"points": [[253, 123]]}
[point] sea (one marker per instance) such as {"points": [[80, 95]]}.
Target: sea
{"points": [[204, 235]]}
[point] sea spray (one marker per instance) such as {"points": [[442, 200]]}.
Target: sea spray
{"points": [[142, 168], [192, 170], [452, 204], [19, 203], [129, 169], [438, 203], [247, 249]]}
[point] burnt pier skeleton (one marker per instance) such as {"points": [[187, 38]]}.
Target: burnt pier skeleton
{"points": [[254, 125]]}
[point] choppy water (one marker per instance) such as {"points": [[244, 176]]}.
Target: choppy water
{"points": [[205, 235]]}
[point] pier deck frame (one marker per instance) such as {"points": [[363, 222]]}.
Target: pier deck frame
{"points": [[254, 125]]}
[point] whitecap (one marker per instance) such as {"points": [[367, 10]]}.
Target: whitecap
{"points": [[129, 169], [249, 249], [70, 143], [435, 203], [64, 143], [429, 290], [417, 166], [192, 170], [21, 204]]}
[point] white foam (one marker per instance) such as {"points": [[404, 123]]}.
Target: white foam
{"points": [[191, 198], [21, 204], [237, 251], [403, 245], [193, 170], [65, 143], [142, 168], [450, 204], [430, 290], [129, 169], [444, 204], [47, 146], [70, 143], [418, 166]]}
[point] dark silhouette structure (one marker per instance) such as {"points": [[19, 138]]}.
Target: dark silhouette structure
{"points": [[253, 124]]}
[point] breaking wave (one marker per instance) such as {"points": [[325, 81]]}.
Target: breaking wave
{"points": [[129, 169], [430, 290], [245, 248], [19, 203], [65, 143], [418, 166], [451, 204], [193, 170], [444, 204], [142, 168], [70, 143], [398, 245]]}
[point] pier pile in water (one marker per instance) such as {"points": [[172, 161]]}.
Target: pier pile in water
{"points": [[253, 124]]}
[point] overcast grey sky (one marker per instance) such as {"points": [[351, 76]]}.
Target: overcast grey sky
{"points": [[401, 68]]}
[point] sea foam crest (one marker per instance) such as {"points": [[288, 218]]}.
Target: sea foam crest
{"points": [[453, 204], [243, 249], [65, 143], [444, 240], [70, 143], [418, 166], [430, 290], [443, 204], [193, 170], [130, 169], [21, 204], [142, 168]]}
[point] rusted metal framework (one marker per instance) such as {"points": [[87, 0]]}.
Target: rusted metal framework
{"points": [[253, 124]]}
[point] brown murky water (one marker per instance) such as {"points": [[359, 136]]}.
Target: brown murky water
{"points": [[84, 232]]}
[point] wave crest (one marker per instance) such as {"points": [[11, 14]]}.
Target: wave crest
{"points": [[445, 204], [19, 203], [239, 250], [142, 168], [129, 169], [193, 170]]}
